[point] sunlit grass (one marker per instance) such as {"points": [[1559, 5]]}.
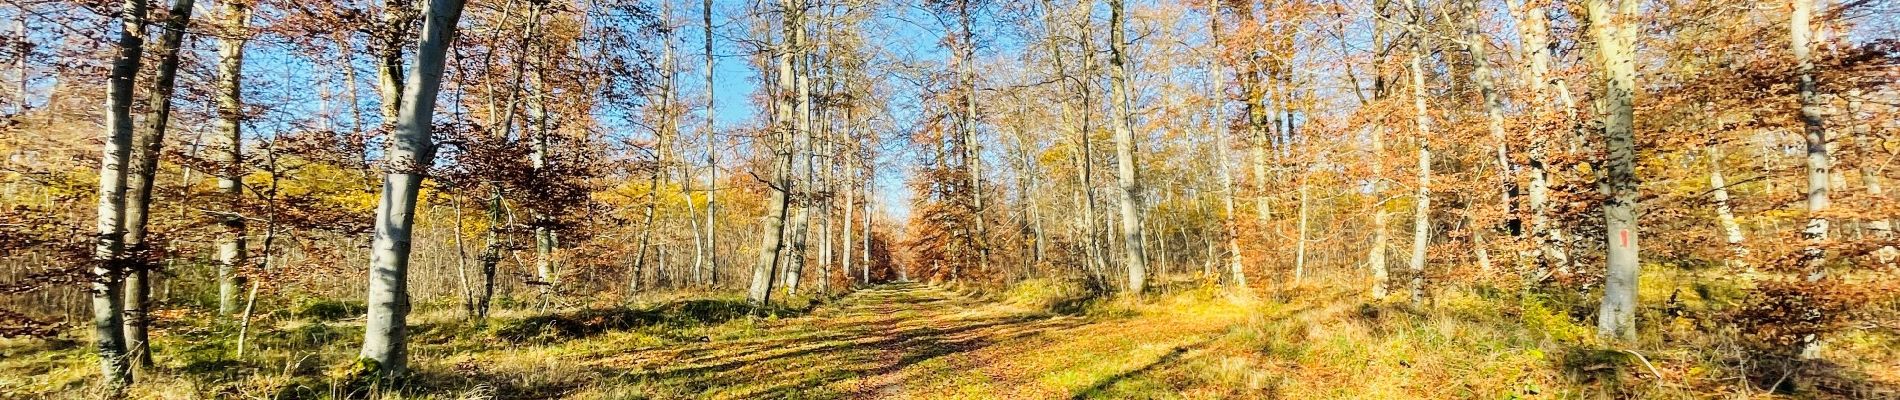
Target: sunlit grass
{"points": [[1039, 339]]}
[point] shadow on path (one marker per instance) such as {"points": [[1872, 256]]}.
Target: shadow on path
{"points": [[873, 332]]}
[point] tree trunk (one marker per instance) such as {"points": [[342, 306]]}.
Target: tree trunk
{"points": [[546, 241], [653, 196], [1879, 226], [1376, 260], [972, 152], [1533, 30], [1819, 162], [138, 202], [491, 253], [712, 155], [1421, 120], [1731, 231], [1615, 38], [1135, 259], [825, 181], [760, 291], [865, 263], [461, 261], [1097, 261], [227, 146], [1299, 252], [1475, 45], [410, 154], [850, 203], [1236, 261], [270, 239], [806, 144], [1257, 118], [108, 278]]}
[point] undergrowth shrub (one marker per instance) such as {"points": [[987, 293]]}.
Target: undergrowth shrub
{"points": [[1557, 326], [1051, 295], [595, 321], [320, 309]]}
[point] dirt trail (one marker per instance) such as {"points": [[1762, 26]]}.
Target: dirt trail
{"points": [[916, 341]]}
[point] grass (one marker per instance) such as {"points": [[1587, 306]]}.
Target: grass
{"points": [[1038, 339]]}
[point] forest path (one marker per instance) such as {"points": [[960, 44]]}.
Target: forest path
{"points": [[912, 340]]}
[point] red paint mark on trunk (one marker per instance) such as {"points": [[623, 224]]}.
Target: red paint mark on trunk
{"points": [[1624, 236]]}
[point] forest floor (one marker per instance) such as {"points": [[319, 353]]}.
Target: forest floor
{"points": [[1036, 341]]}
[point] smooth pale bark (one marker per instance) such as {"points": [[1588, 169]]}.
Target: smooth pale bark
{"points": [[1092, 245], [1024, 161], [1815, 132], [676, 150], [666, 132], [1422, 200], [1533, 32], [826, 177], [1381, 271], [1135, 259], [1236, 261], [1819, 161], [801, 119], [410, 153], [227, 144], [850, 203], [712, 154], [1299, 247], [850, 164], [461, 261], [108, 275], [825, 207], [147, 148], [1878, 226], [1725, 214], [1615, 37], [1263, 209], [865, 263], [1376, 260], [1032, 204], [1478, 246], [1476, 44], [759, 293], [545, 241], [972, 149]]}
